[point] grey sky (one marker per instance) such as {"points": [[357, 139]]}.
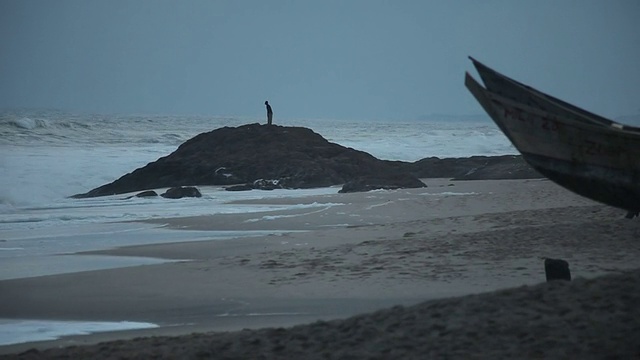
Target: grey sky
{"points": [[341, 59]]}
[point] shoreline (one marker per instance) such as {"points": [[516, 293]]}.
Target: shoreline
{"points": [[588, 319], [376, 250]]}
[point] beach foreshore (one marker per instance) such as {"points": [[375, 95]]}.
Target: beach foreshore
{"points": [[351, 254]]}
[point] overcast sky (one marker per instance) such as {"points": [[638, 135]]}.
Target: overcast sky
{"points": [[340, 59]]}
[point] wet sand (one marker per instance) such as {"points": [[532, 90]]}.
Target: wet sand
{"points": [[358, 254]]}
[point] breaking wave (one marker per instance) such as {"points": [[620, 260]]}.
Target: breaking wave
{"points": [[28, 123]]}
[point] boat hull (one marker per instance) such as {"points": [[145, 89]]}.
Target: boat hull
{"points": [[599, 162], [578, 178]]}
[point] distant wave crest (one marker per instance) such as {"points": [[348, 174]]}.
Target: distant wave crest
{"points": [[42, 127], [28, 123]]}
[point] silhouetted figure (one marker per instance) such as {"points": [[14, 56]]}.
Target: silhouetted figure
{"points": [[556, 269], [269, 113]]}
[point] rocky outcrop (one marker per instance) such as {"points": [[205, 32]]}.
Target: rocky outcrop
{"points": [[296, 157], [292, 157]]}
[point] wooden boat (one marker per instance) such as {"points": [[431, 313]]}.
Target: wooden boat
{"points": [[583, 152]]}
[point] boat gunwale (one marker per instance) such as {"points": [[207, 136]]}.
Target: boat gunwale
{"points": [[542, 96], [609, 130]]}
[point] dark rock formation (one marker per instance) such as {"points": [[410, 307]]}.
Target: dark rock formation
{"points": [[294, 156], [291, 157], [557, 269], [471, 168], [181, 191], [393, 181], [241, 187], [148, 193]]}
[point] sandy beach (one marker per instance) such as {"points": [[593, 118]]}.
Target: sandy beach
{"points": [[408, 273]]}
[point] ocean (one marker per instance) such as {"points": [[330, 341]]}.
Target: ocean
{"points": [[48, 155]]}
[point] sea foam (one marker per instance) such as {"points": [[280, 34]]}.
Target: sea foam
{"points": [[15, 331]]}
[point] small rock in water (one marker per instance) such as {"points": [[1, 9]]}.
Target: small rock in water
{"points": [[242, 187], [262, 184], [259, 184], [557, 269], [148, 193], [181, 191], [387, 182]]}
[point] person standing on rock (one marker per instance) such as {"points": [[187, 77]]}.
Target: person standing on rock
{"points": [[269, 113]]}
